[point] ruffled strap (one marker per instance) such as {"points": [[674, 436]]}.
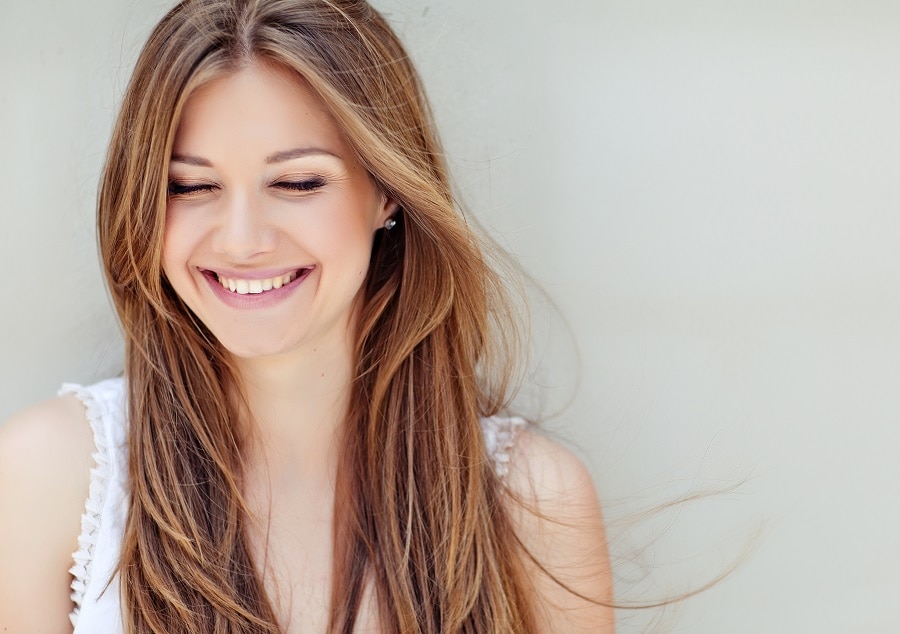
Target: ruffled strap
{"points": [[500, 433], [106, 472]]}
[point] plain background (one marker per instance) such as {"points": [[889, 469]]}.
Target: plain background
{"points": [[708, 189]]}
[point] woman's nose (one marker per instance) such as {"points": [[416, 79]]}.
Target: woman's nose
{"points": [[243, 230]]}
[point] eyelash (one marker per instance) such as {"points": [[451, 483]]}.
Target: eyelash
{"points": [[187, 189], [184, 189], [308, 185]]}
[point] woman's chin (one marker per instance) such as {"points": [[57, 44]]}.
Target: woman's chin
{"points": [[244, 351]]}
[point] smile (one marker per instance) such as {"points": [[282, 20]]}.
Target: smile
{"points": [[254, 287], [257, 286]]}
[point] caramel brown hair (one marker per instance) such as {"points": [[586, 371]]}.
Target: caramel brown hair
{"points": [[422, 516]]}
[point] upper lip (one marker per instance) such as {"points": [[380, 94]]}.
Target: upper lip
{"points": [[254, 274]]}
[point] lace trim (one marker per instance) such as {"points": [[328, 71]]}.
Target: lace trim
{"points": [[502, 433], [90, 520]]}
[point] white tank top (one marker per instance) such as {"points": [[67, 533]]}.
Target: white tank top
{"points": [[95, 592]]}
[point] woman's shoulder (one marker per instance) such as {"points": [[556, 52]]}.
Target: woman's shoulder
{"points": [[45, 462], [539, 464], [44, 446], [557, 514]]}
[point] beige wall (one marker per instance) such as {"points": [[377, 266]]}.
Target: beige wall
{"points": [[708, 189]]}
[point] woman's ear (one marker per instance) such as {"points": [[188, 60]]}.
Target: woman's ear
{"points": [[388, 209]]}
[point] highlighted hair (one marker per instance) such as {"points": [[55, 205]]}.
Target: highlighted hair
{"points": [[421, 515]]}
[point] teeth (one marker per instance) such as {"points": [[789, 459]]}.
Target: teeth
{"points": [[254, 287]]}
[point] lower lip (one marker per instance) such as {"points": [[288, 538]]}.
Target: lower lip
{"points": [[256, 300]]}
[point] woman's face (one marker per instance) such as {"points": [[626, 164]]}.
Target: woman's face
{"points": [[270, 218]]}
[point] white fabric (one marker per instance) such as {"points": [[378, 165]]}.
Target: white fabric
{"points": [[94, 591], [499, 437], [97, 601]]}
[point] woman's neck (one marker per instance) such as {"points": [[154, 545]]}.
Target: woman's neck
{"points": [[298, 402]]}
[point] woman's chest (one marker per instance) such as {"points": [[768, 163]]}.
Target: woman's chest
{"points": [[292, 542]]}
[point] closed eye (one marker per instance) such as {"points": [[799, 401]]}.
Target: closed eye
{"points": [[186, 189], [308, 185]]}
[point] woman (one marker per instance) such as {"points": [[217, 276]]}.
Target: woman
{"points": [[308, 434]]}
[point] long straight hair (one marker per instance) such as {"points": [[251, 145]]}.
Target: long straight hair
{"points": [[422, 515]]}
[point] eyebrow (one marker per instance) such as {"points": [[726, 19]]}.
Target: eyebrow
{"points": [[299, 152], [278, 157], [190, 160]]}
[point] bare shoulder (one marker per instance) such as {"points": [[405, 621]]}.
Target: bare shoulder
{"points": [[45, 461], [559, 519]]}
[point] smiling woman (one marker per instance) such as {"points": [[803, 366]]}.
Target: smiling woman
{"points": [[312, 432], [269, 213]]}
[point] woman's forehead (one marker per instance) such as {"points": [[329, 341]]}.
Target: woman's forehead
{"points": [[261, 104]]}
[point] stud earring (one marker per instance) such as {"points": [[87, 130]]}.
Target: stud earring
{"points": [[390, 223]]}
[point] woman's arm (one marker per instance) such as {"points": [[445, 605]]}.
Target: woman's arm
{"points": [[45, 455], [566, 536]]}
